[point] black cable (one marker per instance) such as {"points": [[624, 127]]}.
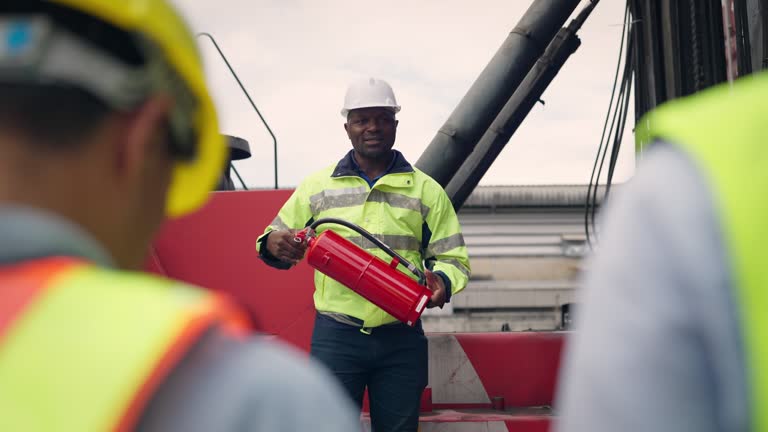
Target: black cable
{"points": [[630, 66], [381, 245], [602, 138], [616, 116], [615, 150], [698, 68], [615, 135], [605, 126], [764, 30], [742, 35]]}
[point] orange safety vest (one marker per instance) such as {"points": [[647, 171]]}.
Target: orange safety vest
{"points": [[83, 348]]}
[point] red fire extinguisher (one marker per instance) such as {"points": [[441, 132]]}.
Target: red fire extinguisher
{"points": [[375, 280]]}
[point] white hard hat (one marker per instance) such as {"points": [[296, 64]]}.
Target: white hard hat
{"points": [[369, 93]]}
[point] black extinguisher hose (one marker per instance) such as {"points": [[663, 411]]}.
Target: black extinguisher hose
{"points": [[381, 245]]}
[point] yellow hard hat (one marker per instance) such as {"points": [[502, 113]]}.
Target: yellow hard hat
{"points": [[159, 23]]}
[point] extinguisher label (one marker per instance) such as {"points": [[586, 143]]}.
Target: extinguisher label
{"points": [[422, 302]]}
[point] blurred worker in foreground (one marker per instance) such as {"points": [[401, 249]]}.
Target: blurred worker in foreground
{"points": [[375, 187], [106, 127], [673, 331]]}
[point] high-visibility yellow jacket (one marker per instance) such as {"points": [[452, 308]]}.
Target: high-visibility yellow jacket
{"points": [[83, 348], [724, 131], [405, 208]]}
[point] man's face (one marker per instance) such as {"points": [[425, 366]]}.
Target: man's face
{"points": [[372, 131]]}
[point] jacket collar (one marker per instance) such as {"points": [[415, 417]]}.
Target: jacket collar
{"points": [[348, 167]]}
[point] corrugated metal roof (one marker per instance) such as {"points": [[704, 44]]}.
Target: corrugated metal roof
{"points": [[526, 232], [515, 294], [525, 243], [532, 196]]}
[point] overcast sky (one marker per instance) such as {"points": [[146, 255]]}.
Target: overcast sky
{"points": [[296, 58]]}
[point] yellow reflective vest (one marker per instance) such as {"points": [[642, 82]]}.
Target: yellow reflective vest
{"points": [[725, 132], [405, 208], [84, 348]]}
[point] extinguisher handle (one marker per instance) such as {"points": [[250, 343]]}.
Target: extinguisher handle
{"points": [[304, 235]]}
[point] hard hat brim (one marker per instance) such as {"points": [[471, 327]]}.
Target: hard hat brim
{"points": [[194, 180], [345, 111]]}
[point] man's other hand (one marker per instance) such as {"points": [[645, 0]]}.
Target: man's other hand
{"points": [[282, 246], [435, 283]]}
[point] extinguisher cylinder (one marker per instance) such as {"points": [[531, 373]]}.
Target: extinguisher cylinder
{"points": [[369, 276]]}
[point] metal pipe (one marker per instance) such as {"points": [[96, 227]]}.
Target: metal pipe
{"points": [[516, 109], [764, 29], [670, 43], [238, 176], [495, 85], [729, 29], [743, 43], [247, 95]]}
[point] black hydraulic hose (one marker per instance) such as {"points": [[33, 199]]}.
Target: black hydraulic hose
{"points": [[591, 202], [616, 130], [697, 66], [381, 245]]}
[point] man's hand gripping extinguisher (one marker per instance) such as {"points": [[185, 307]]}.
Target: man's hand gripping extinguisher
{"points": [[375, 280]]}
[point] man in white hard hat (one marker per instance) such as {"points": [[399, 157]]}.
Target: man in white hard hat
{"points": [[375, 187]]}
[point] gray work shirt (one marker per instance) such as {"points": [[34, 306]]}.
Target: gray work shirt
{"points": [[222, 384], [657, 345]]}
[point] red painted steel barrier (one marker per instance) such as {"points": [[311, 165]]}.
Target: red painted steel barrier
{"points": [[521, 367], [216, 248]]}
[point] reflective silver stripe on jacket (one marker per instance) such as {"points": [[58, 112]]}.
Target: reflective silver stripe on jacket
{"points": [[399, 201], [445, 244], [397, 242], [278, 224], [340, 317], [351, 197], [457, 264], [337, 198]]}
